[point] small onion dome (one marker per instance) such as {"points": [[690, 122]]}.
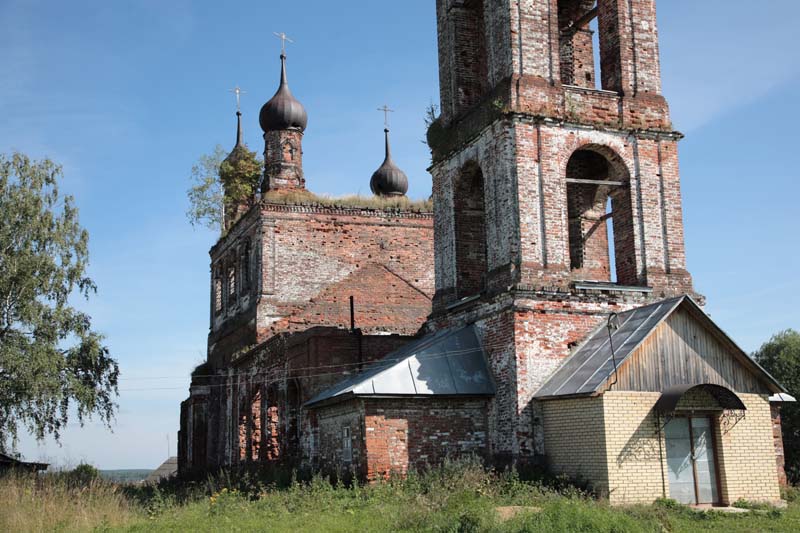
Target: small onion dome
{"points": [[389, 180], [283, 111], [239, 149]]}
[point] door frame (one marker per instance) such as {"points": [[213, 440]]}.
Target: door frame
{"points": [[713, 418]]}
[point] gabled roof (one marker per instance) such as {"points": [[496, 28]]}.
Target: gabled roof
{"points": [[587, 370], [384, 302], [167, 469], [449, 362]]}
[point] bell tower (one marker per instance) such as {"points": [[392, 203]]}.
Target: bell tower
{"points": [[555, 183]]}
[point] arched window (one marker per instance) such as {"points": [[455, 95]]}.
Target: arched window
{"points": [[271, 439], [470, 61], [288, 152], [601, 238], [217, 291], [589, 44], [244, 265], [470, 231], [577, 42], [231, 283], [255, 424]]}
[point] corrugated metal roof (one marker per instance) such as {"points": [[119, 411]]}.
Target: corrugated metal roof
{"points": [[449, 362], [591, 365]]}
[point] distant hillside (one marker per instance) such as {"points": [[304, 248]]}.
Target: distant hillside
{"points": [[125, 476]]}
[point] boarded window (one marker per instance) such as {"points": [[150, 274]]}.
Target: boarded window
{"points": [[470, 228], [244, 265], [347, 445], [471, 61]]}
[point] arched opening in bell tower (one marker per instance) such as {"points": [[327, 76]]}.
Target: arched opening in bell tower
{"points": [[470, 231], [589, 44], [600, 216], [470, 63]]}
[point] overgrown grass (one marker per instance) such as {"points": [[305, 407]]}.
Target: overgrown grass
{"points": [[59, 502], [375, 203], [457, 497]]}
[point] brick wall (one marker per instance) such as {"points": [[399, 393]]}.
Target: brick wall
{"points": [[635, 449], [305, 251], [747, 455], [574, 435], [295, 267], [328, 449], [284, 160], [405, 434], [615, 442]]}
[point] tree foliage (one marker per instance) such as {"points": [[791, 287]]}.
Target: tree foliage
{"points": [[221, 182], [51, 361], [781, 358], [205, 194]]}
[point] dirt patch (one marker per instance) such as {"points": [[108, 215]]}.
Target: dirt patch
{"points": [[507, 513]]}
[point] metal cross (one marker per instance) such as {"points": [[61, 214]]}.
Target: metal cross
{"points": [[386, 112], [284, 39], [238, 92]]}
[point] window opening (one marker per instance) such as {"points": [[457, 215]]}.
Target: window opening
{"points": [[217, 287], [578, 41], [245, 266], [470, 228], [347, 445], [231, 282], [471, 62], [612, 253], [600, 216]]}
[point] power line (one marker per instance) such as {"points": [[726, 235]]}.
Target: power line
{"points": [[316, 367], [379, 365]]}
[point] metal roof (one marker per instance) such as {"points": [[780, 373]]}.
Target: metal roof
{"points": [[586, 370], [671, 397], [591, 365], [449, 362]]}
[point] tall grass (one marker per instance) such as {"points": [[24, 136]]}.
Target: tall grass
{"points": [[54, 502], [458, 497]]}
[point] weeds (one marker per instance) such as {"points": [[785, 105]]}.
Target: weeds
{"points": [[458, 496]]}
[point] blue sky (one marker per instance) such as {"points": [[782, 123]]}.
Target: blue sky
{"points": [[128, 94]]}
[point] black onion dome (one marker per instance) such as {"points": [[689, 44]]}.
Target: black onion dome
{"points": [[239, 149], [283, 111], [389, 180]]}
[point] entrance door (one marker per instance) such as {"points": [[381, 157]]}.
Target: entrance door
{"points": [[690, 460]]}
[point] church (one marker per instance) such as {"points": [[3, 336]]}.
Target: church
{"points": [[538, 310]]}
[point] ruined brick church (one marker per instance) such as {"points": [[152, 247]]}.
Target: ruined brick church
{"points": [[539, 310]]}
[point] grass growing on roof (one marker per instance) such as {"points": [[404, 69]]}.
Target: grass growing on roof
{"points": [[376, 203]]}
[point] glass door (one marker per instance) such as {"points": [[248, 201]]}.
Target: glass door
{"points": [[691, 462], [704, 460]]}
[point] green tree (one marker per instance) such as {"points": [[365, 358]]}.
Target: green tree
{"points": [[221, 181], [781, 358], [52, 363]]}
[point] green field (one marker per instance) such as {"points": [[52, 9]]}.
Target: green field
{"points": [[454, 498], [125, 476]]}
